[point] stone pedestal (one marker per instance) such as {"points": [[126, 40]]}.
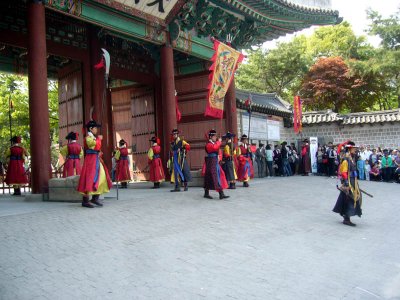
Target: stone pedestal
{"points": [[64, 189]]}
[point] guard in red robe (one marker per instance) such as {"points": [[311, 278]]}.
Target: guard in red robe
{"points": [[122, 172], [73, 153], [214, 177], [16, 175], [156, 169], [94, 179], [245, 168]]}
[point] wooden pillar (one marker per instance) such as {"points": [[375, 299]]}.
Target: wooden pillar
{"points": [[230, 108], [99, 97], [38, 98], [168, 95]]}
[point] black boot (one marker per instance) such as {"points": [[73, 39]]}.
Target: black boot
{"points": [[86, 203], [176, 189], [17, 191], [185, 189], [95, 200], [154, 185], [245, 184], [346, 221], [234, 186], [157, 185], [207, 194], [222, 195], [230, 186], [124, 185]]}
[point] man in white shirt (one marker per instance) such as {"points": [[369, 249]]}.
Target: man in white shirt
{"points": [[363, 155]]}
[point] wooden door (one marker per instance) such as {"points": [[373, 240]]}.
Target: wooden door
{"points": [[143, 128], [70, 102]]}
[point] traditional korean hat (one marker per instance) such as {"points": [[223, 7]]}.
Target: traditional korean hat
{"points": [[156, 140], [15, 139], [244, 137], [211, 133], [72, 136], [122, 142], [175, 131], [349, 145], [228, 135], [92, 124], [305, 141]]}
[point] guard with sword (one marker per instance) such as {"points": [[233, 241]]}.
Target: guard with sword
{"points": [[349, 201], [178, 164]]}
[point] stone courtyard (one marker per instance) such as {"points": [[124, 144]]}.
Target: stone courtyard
{"points": [[276, 240]]}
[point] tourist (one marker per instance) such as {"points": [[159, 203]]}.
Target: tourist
{"points": [[386, 166], [375, 174], [285, 160], [228, 160], [292, 159], [156, 167], [367, 169], [348, 203], [319, 155], [269, 160], [363, 155], [373, 158], [260, 158], [178, 164], [16, 175], [332, 158], [277, 161], [94, 179], [72, 153], [214, 176]]}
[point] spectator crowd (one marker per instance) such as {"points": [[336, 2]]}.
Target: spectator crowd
{"points": [[373, 164]]}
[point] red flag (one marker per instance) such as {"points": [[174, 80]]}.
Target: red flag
{"points": [[178, 112], [297, 115]]}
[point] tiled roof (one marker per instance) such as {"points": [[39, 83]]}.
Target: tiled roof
{"points": [[269, 103], [352, 118]]}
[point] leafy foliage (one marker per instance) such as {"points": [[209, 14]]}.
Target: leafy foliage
{"points": [[15, 88]]}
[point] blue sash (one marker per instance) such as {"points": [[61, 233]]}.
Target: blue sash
{"points": [[15, 157], [156, 156], [177, 168], [123, 157], [96, 176], [73, 156]]}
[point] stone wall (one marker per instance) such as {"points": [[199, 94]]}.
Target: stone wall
{"points": [[386, 135]]}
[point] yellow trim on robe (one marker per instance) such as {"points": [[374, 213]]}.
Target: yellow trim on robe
{"points": [[171, 161], [150, 153]]}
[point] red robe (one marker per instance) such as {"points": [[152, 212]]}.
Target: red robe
{"points": [[214, 175], [305, 156], [72, 165], [16, 171], [90, 178], [156, 168], [245, 168], [122, 172]]}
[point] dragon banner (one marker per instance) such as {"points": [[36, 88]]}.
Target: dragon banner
{"points": [[225, 62]]}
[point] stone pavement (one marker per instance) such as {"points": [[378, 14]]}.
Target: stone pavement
{"points": [[276, 240]]}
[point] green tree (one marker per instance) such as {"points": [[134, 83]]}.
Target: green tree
{"points": [[386, 61], [279, 70], [19, 109]]}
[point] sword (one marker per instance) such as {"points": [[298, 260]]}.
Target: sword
{"points": [[364, 192]]}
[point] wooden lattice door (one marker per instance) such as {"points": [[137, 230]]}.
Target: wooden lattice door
{"points": [[70, 101], [143, 128]]}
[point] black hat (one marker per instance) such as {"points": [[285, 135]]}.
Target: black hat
{"points": [[122, 142], [260, 144], [305, 141], [243, 137], [211, 133], [175, 131], [92, 123], [228, 135], [71, 136], [155, 139], [15, 139]]}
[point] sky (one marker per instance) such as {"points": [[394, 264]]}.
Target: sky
{"points": [[353, 11]]}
